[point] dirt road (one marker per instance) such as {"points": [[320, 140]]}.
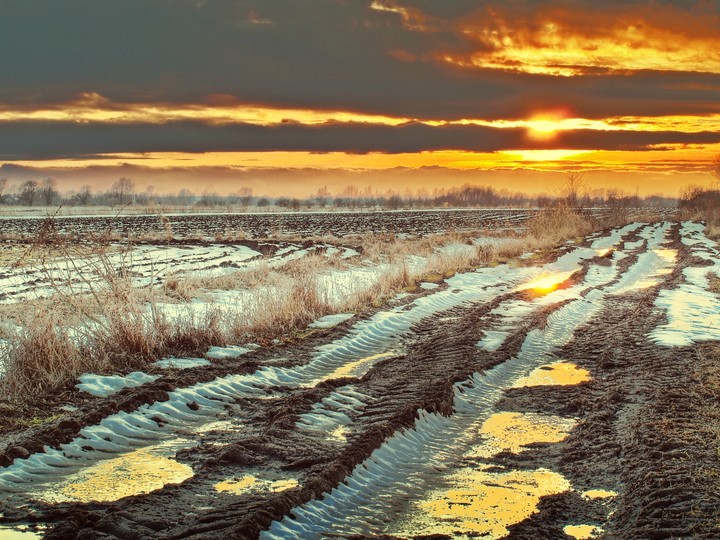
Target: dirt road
{"points": [[568, 395]]}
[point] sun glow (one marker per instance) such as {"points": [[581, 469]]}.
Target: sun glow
{"points": [[546, 284]]}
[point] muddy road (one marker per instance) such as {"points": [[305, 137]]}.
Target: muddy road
{"points": [[573, 397]]}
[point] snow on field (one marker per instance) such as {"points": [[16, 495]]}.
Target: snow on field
{"points": [[107, 385], [331, 320], [145, 265], [693, 311]]}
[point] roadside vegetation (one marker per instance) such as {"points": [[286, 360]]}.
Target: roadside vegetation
{"points": [[701, 203]]}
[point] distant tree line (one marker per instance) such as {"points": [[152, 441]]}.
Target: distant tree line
{"points": [[124, 193]]}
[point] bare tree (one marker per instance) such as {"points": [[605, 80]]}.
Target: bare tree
{"points": [[573, 188], [716, 170], [3, 185], [84, 195], [122, 190], [28, 192], [185, 196], [48, 191]]}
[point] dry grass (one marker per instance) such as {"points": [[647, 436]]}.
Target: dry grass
{"points": [[713, 231], [714, 282], [115, 327]]}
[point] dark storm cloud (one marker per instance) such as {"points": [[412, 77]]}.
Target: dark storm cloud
{"points": [[329, 54], [41, 140]]}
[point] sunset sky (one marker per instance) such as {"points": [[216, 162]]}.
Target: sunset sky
{"points": [[285, 96]]}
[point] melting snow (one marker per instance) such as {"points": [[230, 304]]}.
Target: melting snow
{"points": [[107, 385]]}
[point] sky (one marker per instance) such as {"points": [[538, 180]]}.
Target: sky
{"points": [[286, 96]]}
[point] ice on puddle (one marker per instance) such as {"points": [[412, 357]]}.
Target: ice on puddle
{"points": [[181, 363], [107, 385], [231, 351], [331, 320], [428, 286]]}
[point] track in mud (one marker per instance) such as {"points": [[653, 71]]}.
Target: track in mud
{"points": [[510, 402]]}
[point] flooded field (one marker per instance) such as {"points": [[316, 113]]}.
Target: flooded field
{"points": [[549, 400]]}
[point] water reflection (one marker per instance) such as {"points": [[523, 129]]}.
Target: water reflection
{"points": [[582, 532], [357, 368], [512, 431], [18, 533], [484, 503], [250, 483], [598, 494], [545, 284], [555, 374], [134, 473]]}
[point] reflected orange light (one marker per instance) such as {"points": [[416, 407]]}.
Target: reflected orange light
{"points": [[546, 284]]}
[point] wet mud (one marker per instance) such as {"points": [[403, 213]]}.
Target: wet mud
{"points": [[573, 423]]}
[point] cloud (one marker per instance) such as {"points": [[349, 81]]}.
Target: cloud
{"points": [[46, 140], [575, 38], [343, 55]]}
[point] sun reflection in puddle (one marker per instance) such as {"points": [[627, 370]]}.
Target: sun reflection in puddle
{"points": [[479, 501], [19, 533], [486, 503], [545, 284], [555, 374], [582, 532], [252, 484], [512, 431], [339, 433], [598, 494], [359, 367], [134, 473]]}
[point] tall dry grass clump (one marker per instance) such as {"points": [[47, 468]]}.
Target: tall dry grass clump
{"points": [[279, 310], [557, 224], [388, 283], [702, 205]]}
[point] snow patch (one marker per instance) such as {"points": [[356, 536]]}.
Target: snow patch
{"points": [[331, 320], [107, 385]]}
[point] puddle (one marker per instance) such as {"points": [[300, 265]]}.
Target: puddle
{"points": [[512, 432], [21, 532], [134, 473], [598, 494], [484, 503], [555, 374], [357, 368], [252, 484], [582, 532], [339, 433], [545, 284]]}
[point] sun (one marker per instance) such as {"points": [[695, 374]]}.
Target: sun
{"points": [[545, 126]]}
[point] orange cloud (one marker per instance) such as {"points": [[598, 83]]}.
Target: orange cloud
{"points": [[554, 40], [412, 18]]}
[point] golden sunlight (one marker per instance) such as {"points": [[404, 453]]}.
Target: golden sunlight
{"points": [[560, 42]]}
